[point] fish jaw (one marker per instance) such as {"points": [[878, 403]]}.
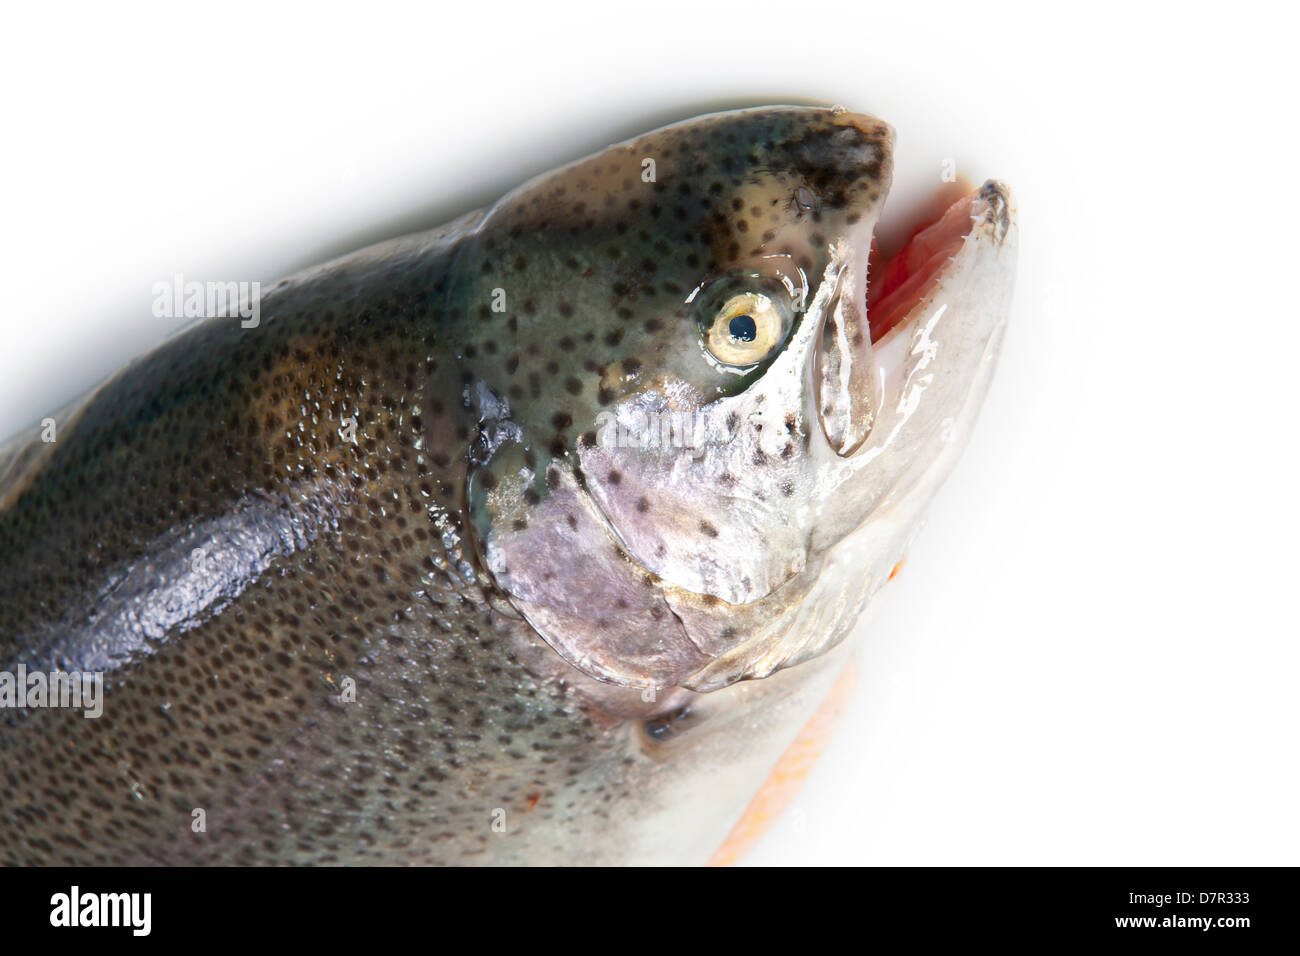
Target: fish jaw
{"points": [[934, 365], [931, 370]]}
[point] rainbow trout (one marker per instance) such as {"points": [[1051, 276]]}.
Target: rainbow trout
{"points": [[475, 547]]}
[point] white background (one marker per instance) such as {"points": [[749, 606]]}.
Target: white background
{"points": [[1091, 656]]}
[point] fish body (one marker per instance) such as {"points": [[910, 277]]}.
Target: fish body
{"points": [[498, 543]]}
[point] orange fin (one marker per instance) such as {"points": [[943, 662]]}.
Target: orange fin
{"points": [[788, 775]]}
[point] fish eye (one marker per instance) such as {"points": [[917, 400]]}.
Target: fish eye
{"points": [[746, 329]]}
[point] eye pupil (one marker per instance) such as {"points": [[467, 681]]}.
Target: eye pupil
{"points": [[743, 328]]}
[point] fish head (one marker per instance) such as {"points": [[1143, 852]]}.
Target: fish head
{"points": [[700, 440]]}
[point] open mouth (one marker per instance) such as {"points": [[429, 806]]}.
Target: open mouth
{"points": [[910, 261], [901, 275]]}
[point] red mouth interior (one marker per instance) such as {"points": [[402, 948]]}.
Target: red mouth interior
{"points": [[898, 279]]}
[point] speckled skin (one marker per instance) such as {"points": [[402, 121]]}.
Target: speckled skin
{"points": [[203, 533]]}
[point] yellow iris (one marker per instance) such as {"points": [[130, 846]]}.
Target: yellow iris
{"points": [[746, 330]]}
